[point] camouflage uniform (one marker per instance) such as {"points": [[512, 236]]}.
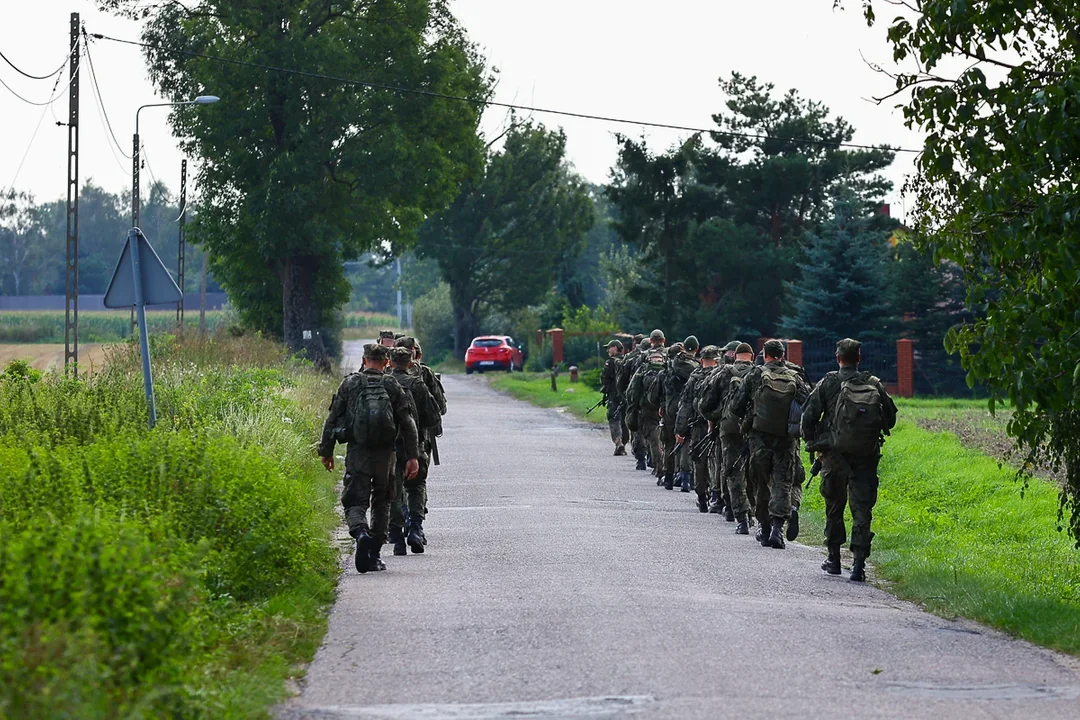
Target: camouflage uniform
{"points": [[642, 417], [367, 483], [630, 365], [693, 427], [411, 495], [770, 455], [680, 366], [845, 478], [609, 382], [731, 481]]}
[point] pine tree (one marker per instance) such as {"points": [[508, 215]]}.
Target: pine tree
{"points": [[843, 290]]}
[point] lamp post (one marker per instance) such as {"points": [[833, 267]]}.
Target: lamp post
{"points": [[201, 100]]}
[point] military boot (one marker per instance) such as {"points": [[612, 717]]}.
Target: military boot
{"points": [[858, 568], [832, 563], [776, 537], [669, 482], [363, 551], [729, 514], [397, 539], [683, 480], [762, 536], [620, 450], [414, 537], [743, 528], [641, 463], [703, 503], [793, 524], [375, 563], [714, 502]]}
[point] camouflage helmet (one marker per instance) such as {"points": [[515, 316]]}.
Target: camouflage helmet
{"points": [[375, 352], [710, 352], [400, 355]]}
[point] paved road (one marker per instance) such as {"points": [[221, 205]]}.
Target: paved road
{"points": [[561, 583]]}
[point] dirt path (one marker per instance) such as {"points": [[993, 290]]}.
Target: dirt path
{"points": [[46, 356]]}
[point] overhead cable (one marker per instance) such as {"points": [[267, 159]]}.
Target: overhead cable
{"points": [[511, 106], [22, 72]]}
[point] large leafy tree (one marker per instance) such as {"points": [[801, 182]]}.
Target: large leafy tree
{"points": [[998, 194], [297, 172], [503, 240], [24, 254]]}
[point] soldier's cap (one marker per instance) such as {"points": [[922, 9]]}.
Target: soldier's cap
{"points": [[691, 343], [848, 348], [643, 345], [614, 344], [730, 347], [743, 348], [386, 334], [657, 335], [400, 355], [405, 342], [638, 338], [373, 351], [710, 352], [774, 348]]}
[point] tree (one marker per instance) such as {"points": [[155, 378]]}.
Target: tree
{"points": [[299, 173], [998, 194], [24, 255], [502, 241], [843, 290]]}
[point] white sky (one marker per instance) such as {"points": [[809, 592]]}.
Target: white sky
{"points": [[653, 60]]}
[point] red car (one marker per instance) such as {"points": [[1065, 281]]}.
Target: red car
{"points": [[493, 352]]}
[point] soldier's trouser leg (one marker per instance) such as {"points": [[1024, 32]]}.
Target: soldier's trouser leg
{"points": [[397, 504], [862, 496], [416, 489], [735, 479], [702, 479], [780, 481], [615, 422], [625, 430], [637, 445], [667, 442], [650, 438], [798, 477], [760, 462], [683, 463], [367, 486]]}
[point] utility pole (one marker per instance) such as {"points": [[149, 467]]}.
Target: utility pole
{"points": [[135, 199], [181, 247], [400, 316], [71, 265], [202, 293]]}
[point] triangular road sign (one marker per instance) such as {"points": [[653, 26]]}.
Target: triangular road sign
{"points": [[158, 286]]}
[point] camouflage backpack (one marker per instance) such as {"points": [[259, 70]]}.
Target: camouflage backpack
{"points": [[857, 421], [650, 389], [371, 414], [729, 424], [773, 399], [426, 417]]}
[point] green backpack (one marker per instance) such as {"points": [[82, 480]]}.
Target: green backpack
{"points": [[650, 390], [372, 415], [857, 421], [773, 399], [729, 423]]}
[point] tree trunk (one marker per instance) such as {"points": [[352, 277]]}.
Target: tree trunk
{"points": [[302, 335], [466, 325]]}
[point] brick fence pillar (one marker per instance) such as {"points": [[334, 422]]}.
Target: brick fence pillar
{"points": [[556, 345], [540, 339], [905, 368], [794, 351]]}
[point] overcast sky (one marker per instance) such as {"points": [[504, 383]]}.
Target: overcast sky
{"points": [[647, 60]]}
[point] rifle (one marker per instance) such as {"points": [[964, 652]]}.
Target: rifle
{"points": [[705, 445], [602, 401], [434, 450]]}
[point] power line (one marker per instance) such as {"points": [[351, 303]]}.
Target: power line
{"points": [[33, 137], [16, 68], [101, 100], [492, 103], [48, 102]]}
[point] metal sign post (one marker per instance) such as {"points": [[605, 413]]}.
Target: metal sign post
{"points": [[140, 278]]}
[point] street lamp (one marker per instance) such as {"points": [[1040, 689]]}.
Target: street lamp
{"points": [[201, 100]]}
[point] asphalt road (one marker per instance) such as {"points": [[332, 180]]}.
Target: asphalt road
{"points": [[561, 583]]}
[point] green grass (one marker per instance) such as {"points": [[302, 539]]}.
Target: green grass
{"points": [[536, 389], [954, 531], [47, 326]]}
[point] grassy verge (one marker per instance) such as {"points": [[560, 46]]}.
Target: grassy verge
{"points": [[180, 572], [536, 389], [47, 326], [955, 532]]}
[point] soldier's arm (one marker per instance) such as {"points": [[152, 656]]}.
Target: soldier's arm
{"points": [[335, 420], [815, 408], [403, 415], [741, 401], [888, 408]]}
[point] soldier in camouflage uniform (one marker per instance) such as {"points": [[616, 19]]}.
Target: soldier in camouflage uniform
{"points": [[731, 485], [848, 476], [411, 494], [644, 399], [771, 451], [691, 428], [367, 482], [676, 464], [609, 382], [798, 472]]}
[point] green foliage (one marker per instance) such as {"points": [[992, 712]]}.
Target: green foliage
{"points": [[997, 194], [843, 290], [327, 170], [20, 371], [46, 326], [145, 573], [433, 322], [502, 241]]}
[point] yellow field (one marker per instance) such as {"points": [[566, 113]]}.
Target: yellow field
{"points": [[46, 356]]}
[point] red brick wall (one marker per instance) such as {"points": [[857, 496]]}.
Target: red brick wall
{"points": [[905, 368]]}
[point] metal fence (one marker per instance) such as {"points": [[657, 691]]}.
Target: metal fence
{"points": [[878, 357]]}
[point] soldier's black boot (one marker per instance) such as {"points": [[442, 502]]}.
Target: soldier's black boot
{"points": [[832, 563], [729, 514], [415, 537], [683, 480], [703, 503], [858, 568], [363, 551], [669, 482], [641, 462], [776, 537], [793, 524], [762, 536], [397, 539], [714, 502], [743, 528], [375, 563]]}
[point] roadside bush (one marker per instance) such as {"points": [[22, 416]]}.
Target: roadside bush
{"points": [[433, 322]]}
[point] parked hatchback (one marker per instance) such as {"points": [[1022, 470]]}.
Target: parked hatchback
{"points": [[493, 352]]}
